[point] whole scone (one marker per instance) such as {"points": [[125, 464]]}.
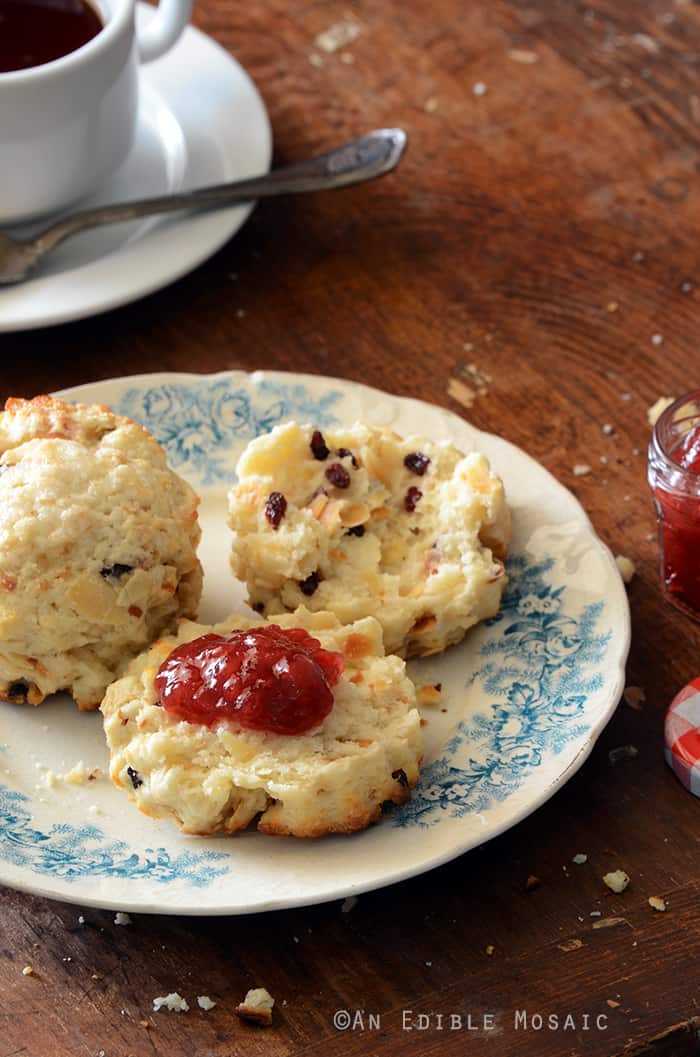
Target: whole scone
{"points": [[361, 522], [332, 779], [98, 543]]}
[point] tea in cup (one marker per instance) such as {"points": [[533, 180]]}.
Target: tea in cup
{"points": [[69, 95]]}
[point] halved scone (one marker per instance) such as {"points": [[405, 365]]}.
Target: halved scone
{"points": [[361, 522], [217, 777]]}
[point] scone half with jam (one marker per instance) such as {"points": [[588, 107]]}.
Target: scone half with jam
{"points": [[302, 726], [98, 548], [361, 522]]}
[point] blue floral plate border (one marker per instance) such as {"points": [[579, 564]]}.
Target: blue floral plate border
{"points": [[526, 695]]}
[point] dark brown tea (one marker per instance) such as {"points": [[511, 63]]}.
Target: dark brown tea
{"points": [[33, 32]]}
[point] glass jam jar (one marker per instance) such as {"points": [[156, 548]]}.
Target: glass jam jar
{"points": [[674, 478]]}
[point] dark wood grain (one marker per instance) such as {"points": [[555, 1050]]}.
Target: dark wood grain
{"points": [[679, 1038], [533, 241]]}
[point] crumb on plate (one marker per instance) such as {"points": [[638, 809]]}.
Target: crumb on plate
{"points": [[429, 694]]}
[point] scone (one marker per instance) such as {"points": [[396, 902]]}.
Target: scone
{"points": [[361, 522], [98, 546], [212, 774]]}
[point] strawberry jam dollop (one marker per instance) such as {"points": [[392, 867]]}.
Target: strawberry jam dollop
{"points": [[273, 679]]}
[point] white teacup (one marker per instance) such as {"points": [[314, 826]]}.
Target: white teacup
{"points": [[65, 124]]}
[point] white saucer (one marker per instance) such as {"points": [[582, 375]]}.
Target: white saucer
{"points": [[201, 121]]}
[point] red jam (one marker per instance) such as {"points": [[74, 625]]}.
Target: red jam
{"points": [[271, 679], [674, 474]]}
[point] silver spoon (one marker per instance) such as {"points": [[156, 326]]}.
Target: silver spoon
{"points": [[364, 159]]}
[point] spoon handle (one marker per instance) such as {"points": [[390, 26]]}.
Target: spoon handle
{"points": [[364, 159]]}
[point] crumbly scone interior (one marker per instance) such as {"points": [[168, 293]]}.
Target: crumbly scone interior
{"points": [[427, 566]]}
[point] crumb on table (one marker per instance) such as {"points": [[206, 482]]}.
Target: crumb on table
{"points": [[173, 1002], [657, 409], [256, 1007], [616, 880], [626, 567]]}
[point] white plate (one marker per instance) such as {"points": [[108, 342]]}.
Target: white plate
{"points": [[201, 121], [526, 696]]}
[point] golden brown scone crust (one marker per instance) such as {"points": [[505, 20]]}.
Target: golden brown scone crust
{"points": [[98, 541]]}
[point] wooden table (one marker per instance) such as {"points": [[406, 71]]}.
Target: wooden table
{"points": [[544, 227]]}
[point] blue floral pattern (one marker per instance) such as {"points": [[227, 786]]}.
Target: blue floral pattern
{"points": [[537, 668], [539, 672], [71, 852], [203, 425]]}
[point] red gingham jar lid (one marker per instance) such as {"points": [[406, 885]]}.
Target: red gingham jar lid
{"points": [[682, 736]]}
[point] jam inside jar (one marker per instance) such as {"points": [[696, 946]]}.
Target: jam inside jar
{"points": [[674, 477]]}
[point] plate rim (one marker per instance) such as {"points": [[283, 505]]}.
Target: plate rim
{"points": [[231, 221], [455, 848]]}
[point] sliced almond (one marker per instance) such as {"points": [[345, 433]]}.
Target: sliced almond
{"points": [[330, 518], [92, 597], [377, 469], [318, 504], [354, 514]]}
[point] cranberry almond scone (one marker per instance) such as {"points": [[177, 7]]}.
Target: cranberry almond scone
{"points": [[98, 542], [302, 725], [361, 522]]}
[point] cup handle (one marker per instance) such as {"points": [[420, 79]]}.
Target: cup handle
{"points": [[164, 28]]}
